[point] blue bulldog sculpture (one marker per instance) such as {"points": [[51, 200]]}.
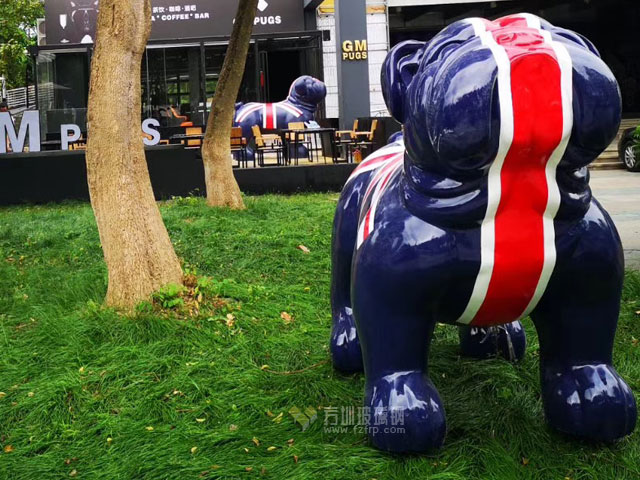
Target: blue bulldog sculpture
{"points": [[305, 94], [480, 216]]}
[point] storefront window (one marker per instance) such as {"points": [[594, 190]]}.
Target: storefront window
{"points": [[214, 58], [172, 85], [63, 88], [178, 82]]}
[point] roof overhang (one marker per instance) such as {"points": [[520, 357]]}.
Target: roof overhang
{"points": [[312, 4]]}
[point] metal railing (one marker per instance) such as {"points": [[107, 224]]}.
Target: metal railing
{"points": [[21, 98]]}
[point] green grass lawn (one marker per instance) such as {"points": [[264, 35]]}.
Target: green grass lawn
{"points": [[93, 394]]}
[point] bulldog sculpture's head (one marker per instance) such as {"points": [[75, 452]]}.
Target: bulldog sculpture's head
{"points": [[479, 88], [307, 91]]}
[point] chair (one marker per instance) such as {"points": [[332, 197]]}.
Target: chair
{"points": [[299, 139], [80, 144], [195, 142], [351, 133], [239, 147], [366, 143], [183, 118], [266, 144], [350, 139], [165, 117]]}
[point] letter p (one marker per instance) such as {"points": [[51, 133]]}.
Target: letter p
{"points": [[69, 133]]}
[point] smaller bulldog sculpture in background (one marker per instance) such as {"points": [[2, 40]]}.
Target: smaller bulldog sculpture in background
{"points": [[482, 215], [305, 94]]}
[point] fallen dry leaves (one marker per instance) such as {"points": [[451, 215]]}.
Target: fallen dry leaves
{"points": [[304, 249], [288, 319]]}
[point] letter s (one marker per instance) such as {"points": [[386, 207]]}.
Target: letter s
{"points": [[147, 130]]}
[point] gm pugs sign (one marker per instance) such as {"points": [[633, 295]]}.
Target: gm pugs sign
{"points": [[353, 50], [352, 58]]}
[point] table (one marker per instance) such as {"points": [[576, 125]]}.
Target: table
{"points": [[49, 145], [184, 136], [327, 137]]}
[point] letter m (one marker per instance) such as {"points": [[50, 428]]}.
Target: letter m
{"points": [[361, 45], [30, 125]]}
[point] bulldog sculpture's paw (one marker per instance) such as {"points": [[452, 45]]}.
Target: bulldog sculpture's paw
{"points": [[590, 401], [480, 216], [406, 413]]}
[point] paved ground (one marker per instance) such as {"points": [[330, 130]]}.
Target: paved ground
{"points": [[619, 193]]}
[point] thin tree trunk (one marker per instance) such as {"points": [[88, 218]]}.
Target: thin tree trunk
{"points": [[138, 252], [222, 188]]}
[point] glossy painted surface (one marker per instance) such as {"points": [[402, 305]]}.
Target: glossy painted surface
{"points": [[305, 94], [500, 120]]}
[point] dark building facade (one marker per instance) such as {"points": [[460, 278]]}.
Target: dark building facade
{"points": [[612, 25], [183, 60]]}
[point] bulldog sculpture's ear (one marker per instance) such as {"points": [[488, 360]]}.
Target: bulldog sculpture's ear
{"points": [[399, 68]]}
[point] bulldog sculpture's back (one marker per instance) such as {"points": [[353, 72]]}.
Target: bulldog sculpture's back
{"points": [[480, 217]]}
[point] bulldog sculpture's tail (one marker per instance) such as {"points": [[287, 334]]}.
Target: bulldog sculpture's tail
{"points": [[480, 217]]}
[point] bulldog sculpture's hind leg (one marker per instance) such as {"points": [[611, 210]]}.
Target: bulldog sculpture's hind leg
{"points": [[482, 215]]}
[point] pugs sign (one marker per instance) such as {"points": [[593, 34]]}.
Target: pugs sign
{"points": [[354, 50]]}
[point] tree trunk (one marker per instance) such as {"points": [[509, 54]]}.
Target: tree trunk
{"points": [[222, 188], [138, 252]]}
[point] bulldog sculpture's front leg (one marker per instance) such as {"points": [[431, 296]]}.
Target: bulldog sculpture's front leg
{"points": [[576, 322], [344, 343], [394, 295]]}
